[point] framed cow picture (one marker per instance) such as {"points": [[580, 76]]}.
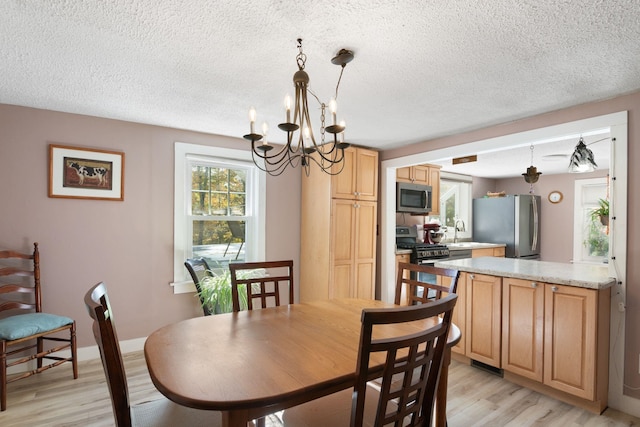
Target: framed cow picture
{"points": [[85, 173]]}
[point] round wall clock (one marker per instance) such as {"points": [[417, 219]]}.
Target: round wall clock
{"points": [[555, 197]]}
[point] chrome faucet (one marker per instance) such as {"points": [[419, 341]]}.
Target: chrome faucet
{"points": [[457, 228]]}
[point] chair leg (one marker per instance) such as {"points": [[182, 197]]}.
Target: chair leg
{"points": [[260, 422], [3, 376], [225, 251], [39, 349], [74, 351]]}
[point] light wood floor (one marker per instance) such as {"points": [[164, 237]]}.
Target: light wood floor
{"points": [[476, 398]]}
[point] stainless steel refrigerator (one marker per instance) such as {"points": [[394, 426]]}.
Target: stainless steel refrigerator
{"points": [[514, 220]]}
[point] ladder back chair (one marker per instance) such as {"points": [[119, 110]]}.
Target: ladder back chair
{"points": [[157, 413], [415, 357], [198, 268], [262, 281], [421, 292], [22, 322]]}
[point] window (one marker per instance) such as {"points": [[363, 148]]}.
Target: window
{"points": [[591, 233], [219, 213], [455, 204]]}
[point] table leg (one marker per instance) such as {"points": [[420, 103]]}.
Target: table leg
{"points": [[441, 392], [237, 418]]}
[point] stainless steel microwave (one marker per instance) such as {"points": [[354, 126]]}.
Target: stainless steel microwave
{"points": [[413, 198]]}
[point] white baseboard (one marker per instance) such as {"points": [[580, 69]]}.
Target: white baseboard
{"points": [[84, 353]]}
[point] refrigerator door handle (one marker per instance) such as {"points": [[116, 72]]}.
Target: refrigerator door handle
{"points": [[534, 243]]}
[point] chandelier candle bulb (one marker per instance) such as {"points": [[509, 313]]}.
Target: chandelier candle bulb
{"points": [[265, 129], [333, 107], [252, 118], [287, 106], [344, 126]]}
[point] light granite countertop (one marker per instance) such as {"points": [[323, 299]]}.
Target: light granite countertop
{"points": [[579, 275]]}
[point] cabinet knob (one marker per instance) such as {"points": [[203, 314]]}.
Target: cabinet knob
{"points": [[355, 193], [355, 205], [472, 276], [534, 285], [554, 289]]}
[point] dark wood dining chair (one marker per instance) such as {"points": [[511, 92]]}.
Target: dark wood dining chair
{"points": [[158, 413], [22, 322], [261, 281], [198, 268], [421, 292], [417, 357]]}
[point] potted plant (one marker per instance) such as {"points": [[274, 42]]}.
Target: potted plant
{"points": [[215, 291], [601, 213]]}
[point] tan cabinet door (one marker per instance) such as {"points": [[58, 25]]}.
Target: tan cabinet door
{"points": [[522, 327], [359, 178], [484, 306], [403, 174], [420, 175], [353, 249], [570, 339], [365, 256], [343, 185], [343, 234]]}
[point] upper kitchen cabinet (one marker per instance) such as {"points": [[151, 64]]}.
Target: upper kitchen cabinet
{"points": [[425, 175], [414, 174], [359, 178]]}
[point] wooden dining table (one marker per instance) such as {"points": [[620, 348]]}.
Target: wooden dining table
{"points": [[253, 363]]}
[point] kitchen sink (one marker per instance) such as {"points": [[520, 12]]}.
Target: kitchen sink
{"points": [[459, 245]]}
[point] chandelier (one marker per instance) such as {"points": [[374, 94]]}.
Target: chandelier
{"points": [[302, 148]]}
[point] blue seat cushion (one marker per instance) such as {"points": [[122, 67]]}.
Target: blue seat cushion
{"points": [[24, 325]]}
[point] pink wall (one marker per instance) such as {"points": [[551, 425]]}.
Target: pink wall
{"points": [[630, 103], [128, 244]]}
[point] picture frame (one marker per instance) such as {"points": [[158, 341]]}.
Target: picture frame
{"points": [[85, 173]]}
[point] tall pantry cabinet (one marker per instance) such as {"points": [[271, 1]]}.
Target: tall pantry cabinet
{"points": [[338, 229]]}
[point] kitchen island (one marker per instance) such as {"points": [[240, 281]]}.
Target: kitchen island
{"points": [[579, 275], [543, 325]]}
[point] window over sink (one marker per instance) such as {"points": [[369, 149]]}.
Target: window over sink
{"points": [[455, 205]]}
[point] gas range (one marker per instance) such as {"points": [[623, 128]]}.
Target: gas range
{"points": [[422, 251], [406, 238]]}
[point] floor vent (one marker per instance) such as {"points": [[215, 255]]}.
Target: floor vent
{"points": [[488, 368]]}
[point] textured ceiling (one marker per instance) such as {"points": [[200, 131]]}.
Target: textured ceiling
{"points": [[422, 69]]}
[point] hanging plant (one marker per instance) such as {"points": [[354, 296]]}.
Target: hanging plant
{"points": [[601, 213]]}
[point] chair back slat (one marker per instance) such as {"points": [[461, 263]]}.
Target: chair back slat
{"points": [[415, 357], [14, 297], [198, 269], [264, 286], [420, 292], [104, 330]]}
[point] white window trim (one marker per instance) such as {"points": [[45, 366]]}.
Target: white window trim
{"points": [[182, 150], [578, 220]]}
